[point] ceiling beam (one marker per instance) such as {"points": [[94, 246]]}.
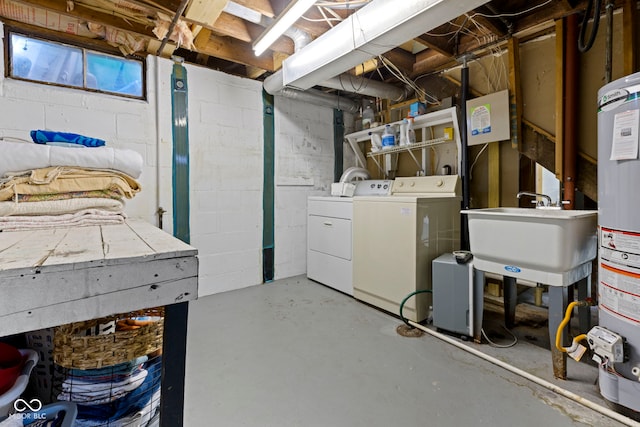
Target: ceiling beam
{"points": [[232, 26], [439, 44], [555, 10], [499, 29], [83, 13], [262, 6], [231, 50], [206, 11]]}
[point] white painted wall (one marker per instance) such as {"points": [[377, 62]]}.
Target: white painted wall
{"points": [[226, 160], [303, 167]]}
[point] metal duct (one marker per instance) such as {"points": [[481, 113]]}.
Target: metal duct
{"points": [[317, 97], [362, 86], [371, 31], [346, 83], [300, 38]]}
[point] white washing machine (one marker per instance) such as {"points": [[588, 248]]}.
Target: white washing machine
{"points": [[329, 235], [396, 237]]}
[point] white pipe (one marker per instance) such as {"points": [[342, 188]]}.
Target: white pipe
{"points": [[561, 391]]}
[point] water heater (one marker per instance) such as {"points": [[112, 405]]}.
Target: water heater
{"points": [[616, 340]]}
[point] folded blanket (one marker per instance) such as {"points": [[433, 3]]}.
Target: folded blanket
{"points": [[97, 194], [140, 418], [133, 402], [21, 156], [78, 219], [57, 207], [65, 180], [44, 136], [125, 368]]}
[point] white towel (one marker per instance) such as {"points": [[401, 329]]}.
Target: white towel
{"points": [[78, 219]]}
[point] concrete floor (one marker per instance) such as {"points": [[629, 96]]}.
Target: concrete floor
{"points": [[296, 353]]}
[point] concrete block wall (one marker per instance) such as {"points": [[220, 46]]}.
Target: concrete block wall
{"points": [[226, 160], [123, 123], [303, 167]]}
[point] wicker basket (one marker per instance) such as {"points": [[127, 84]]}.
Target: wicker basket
{"points": [[73, 349]]}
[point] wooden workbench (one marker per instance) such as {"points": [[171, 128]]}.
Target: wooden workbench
{"points": [[62, 275]]}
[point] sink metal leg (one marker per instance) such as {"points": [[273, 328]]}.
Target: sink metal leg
{"points": [[558, 296], [510, 295], [584, 313]]}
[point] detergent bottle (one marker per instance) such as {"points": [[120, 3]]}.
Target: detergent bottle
{"points": [[388, 137]]}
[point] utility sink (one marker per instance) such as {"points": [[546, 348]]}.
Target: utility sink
{"points": [[549, 246]]}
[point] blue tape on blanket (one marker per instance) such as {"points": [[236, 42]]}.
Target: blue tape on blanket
{"points": [[44, 136]]}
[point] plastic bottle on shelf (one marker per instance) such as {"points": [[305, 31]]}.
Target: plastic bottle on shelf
{"points": [[376, 141], [388, 137], [411, 133], [403, 133], [368, 116]]}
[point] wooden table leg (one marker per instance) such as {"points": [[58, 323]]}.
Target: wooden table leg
{"points": [[174, 350], [558, 296]]}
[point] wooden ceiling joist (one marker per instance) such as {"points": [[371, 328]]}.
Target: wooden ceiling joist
{"points": [[231, 50], [439, 44], [83, 13], [206, 11]]}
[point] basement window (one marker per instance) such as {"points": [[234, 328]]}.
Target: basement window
{"points": [[60, 64]]}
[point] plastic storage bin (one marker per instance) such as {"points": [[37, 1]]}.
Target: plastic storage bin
{"points": [[11, 395]]}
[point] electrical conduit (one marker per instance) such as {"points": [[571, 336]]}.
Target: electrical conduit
{"points": [[561, 391]]}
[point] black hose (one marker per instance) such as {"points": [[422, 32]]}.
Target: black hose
{"points": [[420, 291], [583, 29]]}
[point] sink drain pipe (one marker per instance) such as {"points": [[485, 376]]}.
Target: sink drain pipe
{"points": [[561, 391]]}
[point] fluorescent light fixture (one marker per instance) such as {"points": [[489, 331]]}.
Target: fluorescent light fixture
{"points": [[283, 22]]}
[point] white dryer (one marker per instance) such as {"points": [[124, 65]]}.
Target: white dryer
{"points": [[396, 237], [329, 235]]}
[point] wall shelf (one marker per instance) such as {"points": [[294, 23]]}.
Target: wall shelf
{"points": [[446, 117]]}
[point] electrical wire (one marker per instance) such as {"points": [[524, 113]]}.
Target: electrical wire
{"points": [[476, 161], [343, 4], [514, 14], [492, 344]]}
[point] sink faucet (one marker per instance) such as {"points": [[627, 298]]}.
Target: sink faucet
{"points": [[536, 195]]}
